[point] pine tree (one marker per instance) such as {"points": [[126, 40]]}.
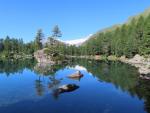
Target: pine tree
{"points": [[1, 45], [7, 46], [38, 39], [56, 32]]}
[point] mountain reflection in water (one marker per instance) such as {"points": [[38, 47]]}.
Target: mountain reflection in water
{"points": [[111, 87]]}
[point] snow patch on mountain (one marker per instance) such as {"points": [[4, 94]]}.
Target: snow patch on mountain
{"points": [[78, 42]]}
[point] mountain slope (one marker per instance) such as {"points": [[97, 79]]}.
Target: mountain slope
{"points": [[128, 39], [114, 27]]}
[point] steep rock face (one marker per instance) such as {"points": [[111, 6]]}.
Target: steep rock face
{"points": [[41, 57]]}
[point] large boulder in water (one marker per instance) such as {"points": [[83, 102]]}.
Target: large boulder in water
{"points": [[78, 74], [68, 88], [64, 89]]}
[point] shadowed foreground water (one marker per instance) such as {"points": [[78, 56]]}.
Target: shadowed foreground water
{"points": [[107, 87]]}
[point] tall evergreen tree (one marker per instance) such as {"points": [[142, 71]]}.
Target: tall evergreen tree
{"points": [[56, 32], [1, 45], [7, 46], [38, 39]]}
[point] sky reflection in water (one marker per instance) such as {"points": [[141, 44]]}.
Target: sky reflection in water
{"points": [[107, 87]]}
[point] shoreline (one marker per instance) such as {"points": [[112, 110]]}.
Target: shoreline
{"points": [[143, 64], [140, 62]]}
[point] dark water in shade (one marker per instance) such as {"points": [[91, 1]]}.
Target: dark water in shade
{"points": [[107, 87]]}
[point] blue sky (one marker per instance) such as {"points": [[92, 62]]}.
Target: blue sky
{"points": [[76, 18]]}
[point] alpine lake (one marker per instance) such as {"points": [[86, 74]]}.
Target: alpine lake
{"points": [[106, 87]]}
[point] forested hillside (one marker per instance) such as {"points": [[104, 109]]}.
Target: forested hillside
{"points": [[11, 46], [14, 46], [128, 39]]}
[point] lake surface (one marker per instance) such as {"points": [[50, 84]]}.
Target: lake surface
{"points": [[106, 87]]}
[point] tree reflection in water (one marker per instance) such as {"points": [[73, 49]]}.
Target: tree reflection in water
{"points": [[49, 71], [12, 66], [53, 85], [121, 75], [39, 87]]}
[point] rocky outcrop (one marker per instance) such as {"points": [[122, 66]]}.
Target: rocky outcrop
{"points": [[143, 64], [76, 76], [41, 57]]}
